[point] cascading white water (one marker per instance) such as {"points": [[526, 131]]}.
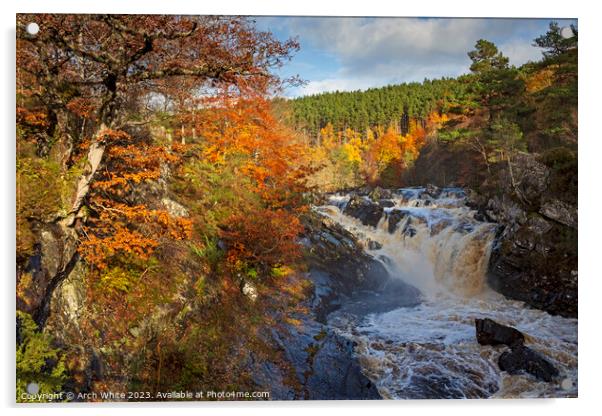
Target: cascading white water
{"points": [[430, 350], [438, 247]]}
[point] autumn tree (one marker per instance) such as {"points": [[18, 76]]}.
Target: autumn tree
{"points": [[90, 91], [83, 79], [271, 162], [102, 62], [119, 225]]}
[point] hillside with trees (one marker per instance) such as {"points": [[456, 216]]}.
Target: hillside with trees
{"points": [[472, 123]]}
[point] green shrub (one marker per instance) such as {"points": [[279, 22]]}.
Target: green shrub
{"points": [[37, 361]]}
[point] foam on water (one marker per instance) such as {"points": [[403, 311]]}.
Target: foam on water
{"points": [[430, 350]]}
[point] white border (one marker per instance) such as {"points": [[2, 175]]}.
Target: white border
{"points": [[590, 151]]}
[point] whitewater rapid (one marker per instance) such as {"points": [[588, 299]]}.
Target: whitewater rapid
{"points": [[430, 350]]}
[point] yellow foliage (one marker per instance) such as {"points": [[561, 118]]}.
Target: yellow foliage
{"points": [[540, 80], [346, 156], [328, 138], [353, 151]]}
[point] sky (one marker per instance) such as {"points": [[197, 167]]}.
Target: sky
{"points": [[351, 53]]}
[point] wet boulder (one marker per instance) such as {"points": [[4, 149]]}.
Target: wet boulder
{"points": [[439, 226], [432, 191], [518, 358], [464, 228], [524, 359], [380, 193], [490, 332], [374, 245], [386, 203], [334, 372], [408, 230], [394, 218], [364, 210]]}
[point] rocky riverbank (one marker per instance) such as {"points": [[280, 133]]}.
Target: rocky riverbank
{"points": [[535, 256], [324, 363]]}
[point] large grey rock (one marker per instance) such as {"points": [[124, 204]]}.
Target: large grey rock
{"points": [[68, 299], [560, 211], [530, 175], [324, 364], [507, 211], [174, 208], [534, 253], [538, 225], [334, 356], [54, 256]]}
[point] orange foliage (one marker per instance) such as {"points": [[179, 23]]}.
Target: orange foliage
{"points": [[274, 159], [245, 131], [328, 138], [82, 107], [265, 238], [33, 119], [379, 149], [437, 119], [387, 148], [118, 226]]}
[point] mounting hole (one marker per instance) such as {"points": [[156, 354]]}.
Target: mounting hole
{"points": [[33, 388], [32, 28], [566, 32], [566, 384]]}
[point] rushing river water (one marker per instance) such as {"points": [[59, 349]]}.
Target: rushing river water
{"points": [[429, 350]]}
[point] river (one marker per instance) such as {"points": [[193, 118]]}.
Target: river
{"points": [[428, 348]]}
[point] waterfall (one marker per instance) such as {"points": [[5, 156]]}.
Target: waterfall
{"points": [[431, 240], [433, 243]]}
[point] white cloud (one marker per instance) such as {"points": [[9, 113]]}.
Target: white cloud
{"points": [[362, 44], [520, 52], [378, 51]]}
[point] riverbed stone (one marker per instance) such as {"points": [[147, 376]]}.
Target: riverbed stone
{"points": [[490, 332], [521, 358], [369, 213], [394, 218]]}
